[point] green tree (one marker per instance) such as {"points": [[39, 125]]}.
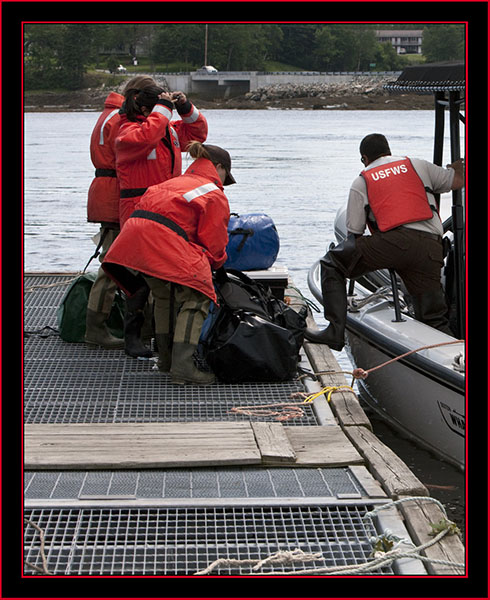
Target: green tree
{"points": [[76, 52], [237, 47], [387, 59], [178, 43], [298, 45], [344, 47], [230, 46], [274, 41], [443, 42], [57, 55], [41, 47], [327, 50]]}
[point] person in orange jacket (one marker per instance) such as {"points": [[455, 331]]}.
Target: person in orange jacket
{"points": [[148, 152], [173, 240], [103, 208]]}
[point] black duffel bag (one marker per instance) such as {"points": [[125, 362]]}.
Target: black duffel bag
{"points": [[253, 336]]}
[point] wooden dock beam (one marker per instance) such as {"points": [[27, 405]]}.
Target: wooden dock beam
{"points": [[392, 473]]}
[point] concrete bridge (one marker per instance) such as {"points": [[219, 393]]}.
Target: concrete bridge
{"points": [[234, 83]]}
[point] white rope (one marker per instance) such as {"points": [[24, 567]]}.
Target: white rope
{"points": [[45, 286], [382, 293], [280, 557], [380, 559]]}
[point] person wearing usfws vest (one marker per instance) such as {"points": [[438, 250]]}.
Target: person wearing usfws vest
{"points": [[175, 237], [394, 196], [148, 151]]}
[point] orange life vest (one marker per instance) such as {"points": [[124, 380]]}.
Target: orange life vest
{"points": [[396, 194], [103, 194], [178, 232]]}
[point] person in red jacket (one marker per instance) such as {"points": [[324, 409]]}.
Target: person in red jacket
{"points": [[148, 152], [174, 239], [394, 196], [103, 208]]}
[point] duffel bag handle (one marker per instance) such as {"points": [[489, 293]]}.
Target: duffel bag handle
{"points": [[254, 288], [221, 276], [246, 233]]}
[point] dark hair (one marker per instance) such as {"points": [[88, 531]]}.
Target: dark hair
{"points": [[215, 154], [374, 145], [140, 91]]}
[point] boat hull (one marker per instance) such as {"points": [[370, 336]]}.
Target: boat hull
{"points": [[411, 399]]}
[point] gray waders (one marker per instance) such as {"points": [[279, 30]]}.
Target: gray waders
{"points": [[179, 316]]}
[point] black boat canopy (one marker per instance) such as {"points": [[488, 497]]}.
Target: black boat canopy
{"points": [[430, 78]]}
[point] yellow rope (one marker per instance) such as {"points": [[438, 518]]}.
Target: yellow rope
{"points": [[330, 389]]}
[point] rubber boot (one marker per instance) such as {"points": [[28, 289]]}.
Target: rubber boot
{"points": [[133, 345], [163, 342], [335, 310], [133, 323], [183, 368], [148, 329], [431, 308], [97, 333]]}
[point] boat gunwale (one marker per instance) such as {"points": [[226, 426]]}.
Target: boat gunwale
{"points": [[450, 379]]}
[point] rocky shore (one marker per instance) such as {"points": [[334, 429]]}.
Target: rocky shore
{"points": [[363, 94]]}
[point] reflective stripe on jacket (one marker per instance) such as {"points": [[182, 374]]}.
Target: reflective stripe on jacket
{"points": [[153, 242], [148, 151], [396, 194], [103, 194]]}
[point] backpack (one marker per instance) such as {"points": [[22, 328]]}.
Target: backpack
{"points": [[253, 242], [72, 311], [251, 336]]}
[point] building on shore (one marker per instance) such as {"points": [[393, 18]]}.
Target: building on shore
{"points": [[405, 41]]}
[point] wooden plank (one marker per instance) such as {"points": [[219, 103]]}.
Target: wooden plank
{"points": [[141, 445], [418, 518], [370, 485], [115, 428], [384, 464], [344, 405], [273, 442], [321, 446]]}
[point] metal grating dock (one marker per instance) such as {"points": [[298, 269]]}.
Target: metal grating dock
{"points": [[236, 482], [71, 383], [175, 521], [183, 540]]}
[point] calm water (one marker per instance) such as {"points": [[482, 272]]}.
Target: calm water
{"points": [[294, 165]]}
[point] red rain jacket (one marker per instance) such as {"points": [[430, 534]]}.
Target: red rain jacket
{"points": [[193, 203], [396, 194], [148, 151], [103, 194]]}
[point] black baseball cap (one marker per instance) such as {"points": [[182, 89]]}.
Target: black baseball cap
{"points": [[221, 156]]}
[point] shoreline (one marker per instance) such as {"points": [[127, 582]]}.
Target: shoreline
{"points": [[93, 100]]}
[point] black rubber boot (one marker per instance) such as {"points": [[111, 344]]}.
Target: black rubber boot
{"points": [[133, 323], [334, 307], [322, 336], [431, 308]]}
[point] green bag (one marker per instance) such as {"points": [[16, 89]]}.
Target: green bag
{"points": [[72, 312]]}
